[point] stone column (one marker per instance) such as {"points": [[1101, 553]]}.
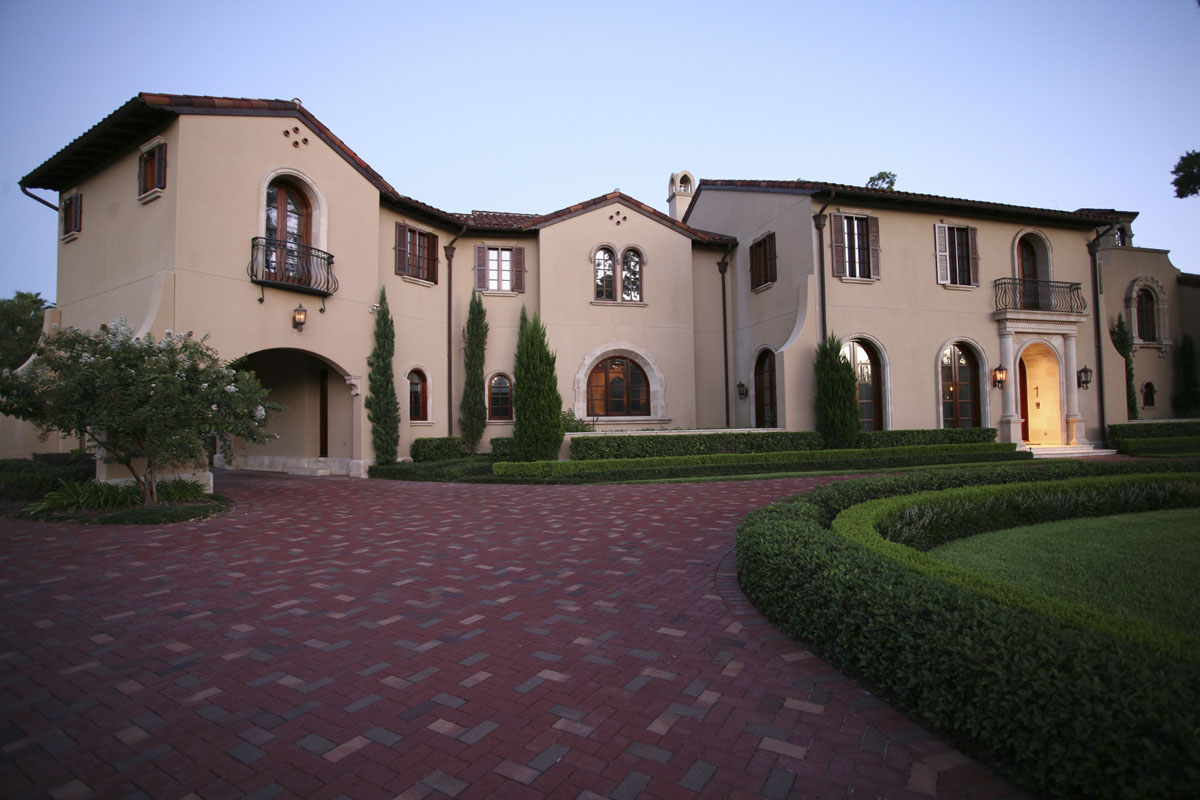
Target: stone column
{"points": [[1010, 421], [1075, 426]]}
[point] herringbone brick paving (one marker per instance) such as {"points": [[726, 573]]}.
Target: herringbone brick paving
{"points": [[374, 639]]}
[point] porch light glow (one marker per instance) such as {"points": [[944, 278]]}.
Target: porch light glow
{"points": [[999, 377], [1084, 377], [299, 317]]}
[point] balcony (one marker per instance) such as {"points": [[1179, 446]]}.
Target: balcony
{"points": [[1027, 295], [287, 265]]}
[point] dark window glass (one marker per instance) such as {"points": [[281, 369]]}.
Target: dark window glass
{"points": [[765, 410], [618, 387], [960, 388], [1147, 328], [500, 398], [418, 403], [605, 289], [865, 362]]}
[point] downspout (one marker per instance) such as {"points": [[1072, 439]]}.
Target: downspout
{"points": [[819, 221], [1092, 246], [449, 249], [723, 267], [48, 205]]}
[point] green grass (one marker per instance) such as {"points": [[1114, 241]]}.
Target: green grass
{"points": [[1135, 566]]}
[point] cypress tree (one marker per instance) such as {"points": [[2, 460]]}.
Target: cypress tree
{"points": [[472, 410], [1187, 394], [537, 405], [1122, 339], [837, 399], [383, 408]]}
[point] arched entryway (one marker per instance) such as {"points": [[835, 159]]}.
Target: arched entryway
{"points": [[1039, 395]]}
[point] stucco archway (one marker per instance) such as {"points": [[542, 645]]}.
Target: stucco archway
{"points": [[1039, 392]]}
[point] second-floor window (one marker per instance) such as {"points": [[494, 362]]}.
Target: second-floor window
{"points": [[499, 269], [72, 216], [957, 255], [856, 250], [152, 171], [763, 268], [416, 253], [288, 228]]}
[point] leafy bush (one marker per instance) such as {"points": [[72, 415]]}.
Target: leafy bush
{"points": [[902, 438], [1149, 430], [179, 490], [619, 469], [84, 495], [690, 444], [165, 515], [456, 469], [25, 485], [504, 448], [1063, 709], [1159, 445], [438, 448], [573, 424]]}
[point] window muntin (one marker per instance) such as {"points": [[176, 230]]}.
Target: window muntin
{"points": [[152, 169], [617, 387], [72, 216], [605, 289], [500, 398], [418, 396], [960, 388], [868, 378], [499, 269], [288, 228], [857, 258], [765, 409], [416, 253], [1147, 321], [631, 276], [763, 262]]}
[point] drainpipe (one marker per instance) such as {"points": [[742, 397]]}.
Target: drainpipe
{"points": [[819, 221], [1092, 246], [449, 248], [723, 267], [48, 205]]}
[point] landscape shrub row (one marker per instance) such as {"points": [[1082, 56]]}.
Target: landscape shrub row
{"points": [[436, 448], [1159, 445], [916, 436], [584, 448], [1062, 711], [456, 469], [619, 469], [25, 479], [1152, 430], [504, 448]]}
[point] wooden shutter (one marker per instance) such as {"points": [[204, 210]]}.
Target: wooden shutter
{"points": [[772, 273], [873, 240], [838, 237], [433, 257], [160, 167], [518, 269], [941, 242], [971, 235], [401, 248], [481, 268]]}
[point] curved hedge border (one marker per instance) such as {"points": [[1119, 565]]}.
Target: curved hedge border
{"points": [[748, 463], [1159, 445], [1153, 430], [1062, 711]]}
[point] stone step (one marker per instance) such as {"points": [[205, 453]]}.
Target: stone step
{"points": [[1069, 451], [313, 467]]}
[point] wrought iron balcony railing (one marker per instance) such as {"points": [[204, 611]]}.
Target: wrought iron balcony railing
{"points": [[1040, 295], [287, 265]]}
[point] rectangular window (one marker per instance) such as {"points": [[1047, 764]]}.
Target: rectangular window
{"points": [[72, 216], [763, 260], [416, 253], [499, 275], [855, 243], [152, 172], [499, 268], [957, 255]]}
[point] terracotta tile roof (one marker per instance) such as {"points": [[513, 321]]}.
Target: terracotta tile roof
{"points": [[695, 234], [496, 220], [1083, 218]]}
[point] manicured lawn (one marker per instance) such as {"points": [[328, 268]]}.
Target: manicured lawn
{"points": [[1137, 566]]}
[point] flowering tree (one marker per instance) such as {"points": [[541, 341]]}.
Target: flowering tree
{"points": [[145, 404]]}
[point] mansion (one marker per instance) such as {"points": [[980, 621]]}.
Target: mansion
{"points": [[251, 220]]}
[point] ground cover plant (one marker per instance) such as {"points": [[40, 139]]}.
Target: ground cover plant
{"points": [[1060, 708], [1135, 566], [92, 501]]}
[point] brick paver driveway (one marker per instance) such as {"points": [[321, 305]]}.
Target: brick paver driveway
{"points": [[338, 637]]}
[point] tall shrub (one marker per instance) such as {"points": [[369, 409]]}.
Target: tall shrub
{"points": [[537, 405], [1186, 398], [837, 401], [1122, 339], [383, 408], [472, 411]]}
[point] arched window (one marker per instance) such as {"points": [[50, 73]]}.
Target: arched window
{"points": [[1147, 318], [605, 289], [960, 388], [500, 397], [765, 409], [863, 358], [1028, 264], [418, 396], [1148, 392], [631, 275], [617, 387], [288, 230]]}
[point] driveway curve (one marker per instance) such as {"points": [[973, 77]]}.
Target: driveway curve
{"points": [[373, 639]]}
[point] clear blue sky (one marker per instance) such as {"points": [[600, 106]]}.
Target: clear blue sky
{"points": [[534, 106]]}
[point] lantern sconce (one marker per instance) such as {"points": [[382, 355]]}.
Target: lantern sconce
{"points": [[742, 391], [1084, 377], [299, 317], [999, 377]]}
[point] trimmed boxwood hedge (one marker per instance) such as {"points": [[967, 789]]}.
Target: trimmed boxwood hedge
{"points": [[28, 479], [436, 448], [1153, 430], [585, 448], [916, 436], [622, 469], [1062, 710], [455, 469], [504, 448], [1159, 445]]}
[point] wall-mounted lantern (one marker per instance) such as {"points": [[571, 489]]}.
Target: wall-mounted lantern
{"points": [[299, 317], [742, 391], [999, 377], [1084, 377]]}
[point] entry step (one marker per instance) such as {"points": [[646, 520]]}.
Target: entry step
{"points": [[1069, 451], [314, 468]]}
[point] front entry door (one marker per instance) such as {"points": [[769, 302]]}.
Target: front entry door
{"points": [[1022, 389]]}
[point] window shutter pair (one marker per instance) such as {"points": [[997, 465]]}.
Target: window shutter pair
{"points": [[517, 264], [941, 242], [837, 236]]}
